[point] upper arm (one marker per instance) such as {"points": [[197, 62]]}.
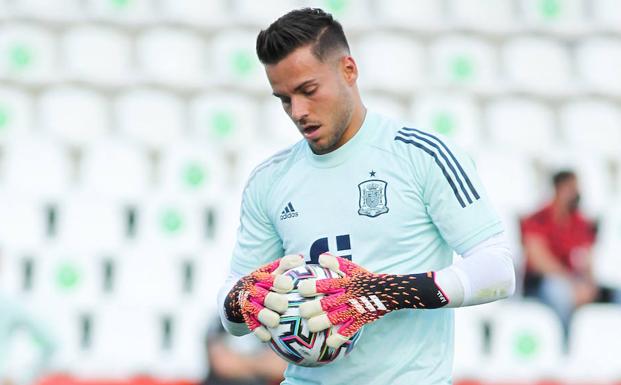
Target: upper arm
{"points": [[453, 194]]}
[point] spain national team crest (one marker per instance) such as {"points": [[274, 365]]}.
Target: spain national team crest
{"points": [[372, 198]]}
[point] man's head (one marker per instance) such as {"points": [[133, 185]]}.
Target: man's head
{"points": [[307, 61], [566, 189]]}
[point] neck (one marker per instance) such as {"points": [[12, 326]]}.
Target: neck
{"points": [[560, 210], [357, 119]]}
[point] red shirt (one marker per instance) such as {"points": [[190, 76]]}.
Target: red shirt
{"points": [[562, 238]]}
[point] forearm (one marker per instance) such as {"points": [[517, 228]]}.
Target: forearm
{"points": [[540, 258], [485, 274]]}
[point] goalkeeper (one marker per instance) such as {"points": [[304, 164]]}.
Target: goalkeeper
{"points": [[382, 201]]}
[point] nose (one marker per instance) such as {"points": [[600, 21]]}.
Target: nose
{"points": [[299, 109]]}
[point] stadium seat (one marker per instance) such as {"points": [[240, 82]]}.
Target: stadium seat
{"points": [[16, 114], [99, 55], [603, 119], [385, 105], [279, 131], [550, 74], [57, 11], [77, 116], [21, 43], [598, 60], [527, 340], [115, 169], [87, 223], [193, 170], [520, 124], [595, 344], [469, 344], [233, 58], [135, 12], [261, 14], [607, 14], [606, 260], [227, 121], [148, 117], [464, 62], [379, 70], [456, 116], [494, 165], [173, 58], [488, 16], [209, 15], [354, 15], [425, 15], [40, 178], [565, 17]]}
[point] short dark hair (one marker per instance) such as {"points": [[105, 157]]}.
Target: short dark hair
{"points": [[297, 29], [562, 176]]}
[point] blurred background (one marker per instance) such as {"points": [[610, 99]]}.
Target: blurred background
{"points": [[128, 128]]}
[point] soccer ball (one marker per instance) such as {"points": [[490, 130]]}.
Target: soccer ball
{"points": [[292, 340]]}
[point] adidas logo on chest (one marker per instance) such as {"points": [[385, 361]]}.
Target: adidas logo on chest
{"points": [[288, 212]]}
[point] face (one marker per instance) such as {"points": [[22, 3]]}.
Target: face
{"points": [[568, 193], [318, 96]]}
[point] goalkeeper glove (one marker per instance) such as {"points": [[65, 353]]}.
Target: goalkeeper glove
{"points": [[360, 297], [257, 298]]}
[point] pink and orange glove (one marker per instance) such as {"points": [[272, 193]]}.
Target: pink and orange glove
{"points": [[257, 298], [360, 297]]}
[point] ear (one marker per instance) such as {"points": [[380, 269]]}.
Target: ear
{"points": [[349, 69]]}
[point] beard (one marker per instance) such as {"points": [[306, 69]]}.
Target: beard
{"points": [[343, 116]]}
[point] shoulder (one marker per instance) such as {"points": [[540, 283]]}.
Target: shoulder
{"points": [[272, 168]]}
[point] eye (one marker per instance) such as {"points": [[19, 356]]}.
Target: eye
{"points": [[309, 92]]}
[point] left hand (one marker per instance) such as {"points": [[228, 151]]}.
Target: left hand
{"points": [[361, 297]]}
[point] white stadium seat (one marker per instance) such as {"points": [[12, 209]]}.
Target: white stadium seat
{"points": [[527, 341], [566, 17], [376, 55], [31, 51], [595, 344], [149, 117], [135, 12], [492, 16], [16, 114], [385, 105], [469, 359], [598, 61], [116, 169], [40, 177], [261, 14], [520, 124], [607, 14], [456, 116], [57, 11], [411, 14], [550, 74], [225, 120], [171, 57], [464, 61], [603, 120], [77, 116], [23, 223], [195, 170], [494, 165], [204, 14], [234, 61], [100, 55], [606, 261]]}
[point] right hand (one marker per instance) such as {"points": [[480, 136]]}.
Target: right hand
{"points": [[257, 298]]}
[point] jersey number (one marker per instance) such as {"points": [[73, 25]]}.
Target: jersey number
{"points": [[320, 246]]}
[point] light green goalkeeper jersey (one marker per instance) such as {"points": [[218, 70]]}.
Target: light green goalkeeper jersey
{"points": [[394, 199]]}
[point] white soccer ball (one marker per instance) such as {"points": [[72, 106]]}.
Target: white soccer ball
{"points": [[292, 340]]}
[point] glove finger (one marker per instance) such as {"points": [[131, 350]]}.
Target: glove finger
{"points": [[339, 265], [312, 287], [336, 340], [278, 283], [274, 301], [326, 304], [288, 262], [319, 323], [262, 333], [269, 318], [256, 315]]}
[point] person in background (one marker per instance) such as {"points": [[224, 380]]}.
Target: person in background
{"points": [[558, 242], [240, 361], [15, 319]]}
